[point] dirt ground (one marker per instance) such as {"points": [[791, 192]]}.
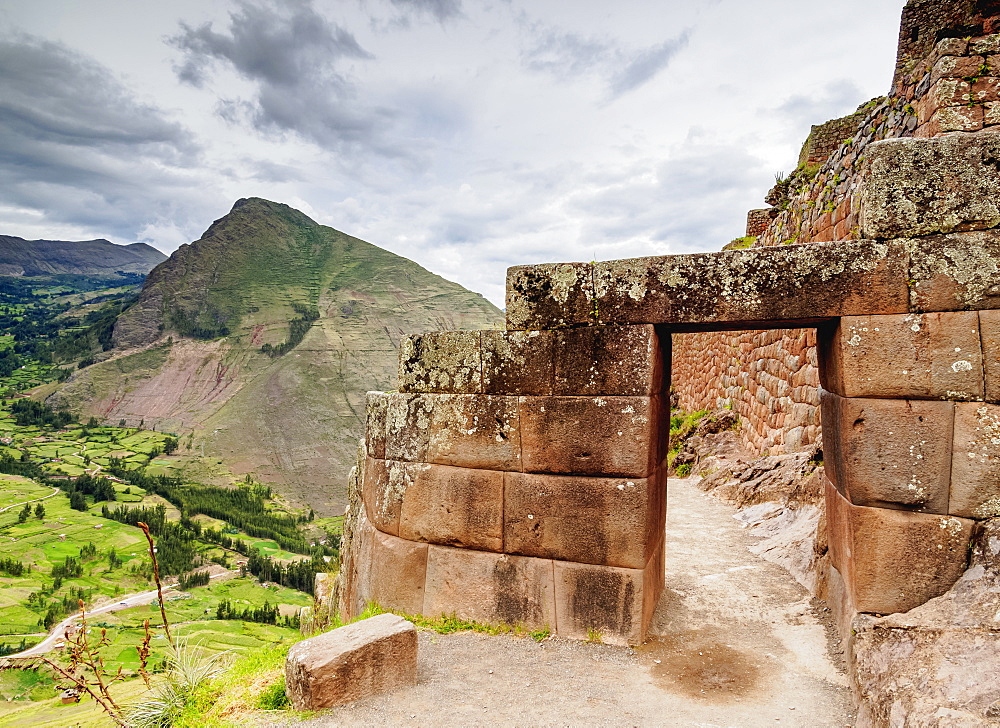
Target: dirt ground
{"points": [[736, 642]]}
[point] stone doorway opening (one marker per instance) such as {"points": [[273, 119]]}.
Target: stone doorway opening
{"points": [[518, 476]]}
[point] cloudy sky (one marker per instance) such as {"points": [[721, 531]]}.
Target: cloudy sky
{"points": [[468, 136]]}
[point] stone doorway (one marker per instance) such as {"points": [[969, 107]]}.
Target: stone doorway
{"points": [[517, 476]]}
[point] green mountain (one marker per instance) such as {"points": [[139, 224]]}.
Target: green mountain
{"points": [[20, 257], [256, 344]]}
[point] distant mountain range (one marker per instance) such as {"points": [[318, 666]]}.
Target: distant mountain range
{"points": [[20, 257], [256, 345]]}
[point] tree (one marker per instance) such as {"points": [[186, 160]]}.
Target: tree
{"points": [[77, 501], [25, 512], [39, 511], [170, 445]]}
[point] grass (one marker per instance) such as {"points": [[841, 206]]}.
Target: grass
{"points": [[682, 426], [449, 624]]}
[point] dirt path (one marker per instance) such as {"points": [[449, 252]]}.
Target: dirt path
{"points": [[33, 500], [737, 643]]}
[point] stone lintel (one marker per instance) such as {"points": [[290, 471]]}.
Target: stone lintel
{"points": [[734, 287], [773, 287]]}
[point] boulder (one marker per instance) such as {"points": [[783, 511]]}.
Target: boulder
{"points": [[369, 657]]}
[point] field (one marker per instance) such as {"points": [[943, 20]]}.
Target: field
{"points": [[42, 543]]}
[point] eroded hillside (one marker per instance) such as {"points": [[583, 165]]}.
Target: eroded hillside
{"points": [[211, 350]]}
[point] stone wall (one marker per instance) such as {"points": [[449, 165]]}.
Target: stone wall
{"points": [[770, 378], [946, 82]]}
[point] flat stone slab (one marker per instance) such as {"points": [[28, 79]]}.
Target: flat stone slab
{"points": [[802, 283], [775, 287], [369, 657]]}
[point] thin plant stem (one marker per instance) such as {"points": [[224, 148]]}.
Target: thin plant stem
{"points": [[156, 577]]}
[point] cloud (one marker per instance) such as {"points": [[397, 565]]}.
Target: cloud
{"points": [[442, 10], [568, 55], [830, 101], [645, 64], [78, 146], [291, 55]]}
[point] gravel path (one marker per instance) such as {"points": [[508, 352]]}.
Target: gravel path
{"points": [[737, 642]]}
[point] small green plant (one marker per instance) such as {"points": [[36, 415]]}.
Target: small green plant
{"points": [[187, 669], [539, 635], [594, 636], [273, 697], [683, 470], [741, 243]]}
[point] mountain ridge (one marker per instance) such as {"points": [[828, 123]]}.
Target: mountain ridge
{"points": [[20, 257]]}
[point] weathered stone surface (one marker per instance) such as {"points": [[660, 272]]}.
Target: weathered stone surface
{"points": [[607, 521], [383, 495], [517, 362], [957, 272], [453, 506], [892, 561], [389, 571], [610, 436], [491, 588], [975, 470], [938, 664], [469, 431], [447, 362], [375, 412], [604, 600], [740, 288], [989, 329], [346, 584], [889, 453], [915, 356], [549, 296], [922, 186], [734, 288], [610, 360], [369, 657]]}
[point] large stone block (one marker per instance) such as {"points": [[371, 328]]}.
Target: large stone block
{"points": [[889, 453], [447, 362], [390, 571], [893, 561], [607, 521], [375, 413], [517, 362], [754, 288], [469, 431], [491, 588], [957, 272], [913, 187], [453, 506], [975, 470], [989, 330], [610, 360], [369, 657], [914, 356], [606, 600], [382, 487], [611, 436], [547, 296]]}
